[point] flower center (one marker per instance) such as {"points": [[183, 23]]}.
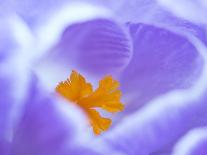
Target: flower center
{"points": [[107, 97]]}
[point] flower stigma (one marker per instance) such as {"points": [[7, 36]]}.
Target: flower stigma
{"points": [[107, 97]]}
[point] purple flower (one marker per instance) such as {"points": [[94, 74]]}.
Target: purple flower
{"points": [[159, 59]]}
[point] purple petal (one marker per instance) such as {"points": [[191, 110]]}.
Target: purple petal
{"points": [[48, 126], [151, 12], [36, 13], [157, 14], [96, 47], [4, 147], [52, 126], [99, 46], [13, 36], [13, 73], [193, 143], [158, 125], [189, 9], [162, 61]]}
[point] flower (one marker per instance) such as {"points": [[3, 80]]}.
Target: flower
{"points": [[158, 58]]}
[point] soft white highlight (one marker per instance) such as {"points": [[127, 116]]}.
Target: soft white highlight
{"points": [[194, 10], [15, 67], [49, 33], [191, 140]]}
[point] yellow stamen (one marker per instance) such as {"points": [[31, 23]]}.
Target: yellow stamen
{"points": [[106, 96]]}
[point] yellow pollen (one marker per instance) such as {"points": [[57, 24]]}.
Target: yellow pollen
{"points": [[107, 97]]}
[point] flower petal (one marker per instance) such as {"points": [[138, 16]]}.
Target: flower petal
{"points": [[193, 143], [162, 122], [194, 10], [34, 11], [50, 125], [13, 72], [4, 147], [101, 40], [152, 12], [158, 126], [162, 61], [47, 126], [14, 36]]}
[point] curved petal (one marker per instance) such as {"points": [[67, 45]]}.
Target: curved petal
{"points": [[13, 73], [34, 12], [162, 122], [194, 10], [50, 125], [152, 12], [158, 126], [46, 126], [193, 143], [15, 36], [96, 47], [162, 61]]}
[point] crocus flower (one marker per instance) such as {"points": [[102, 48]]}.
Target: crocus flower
{"points": [[159, 60]]}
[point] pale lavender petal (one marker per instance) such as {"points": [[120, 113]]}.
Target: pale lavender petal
{"points": [[36, 12], [98, 46], [13, 74], [49, 125], [10, 28], [162, 61], [94, 48], [158, 125], [193, 143], [33, 11], [152, 12], [194, 10]]}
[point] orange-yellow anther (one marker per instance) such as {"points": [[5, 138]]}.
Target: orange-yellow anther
{"points": [[106, 96]]}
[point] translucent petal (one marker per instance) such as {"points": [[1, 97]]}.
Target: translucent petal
{"points": [[47, 126], [162, 61], [194, 10], [193, 143], [95, 48], [14, 74], [153, 12], [158, 125]]}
